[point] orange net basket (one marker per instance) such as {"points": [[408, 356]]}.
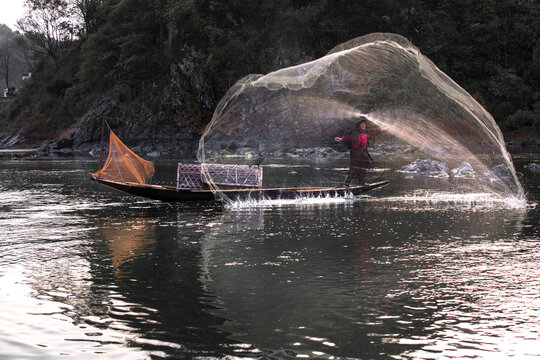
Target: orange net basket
{"points": [[123, 165]]}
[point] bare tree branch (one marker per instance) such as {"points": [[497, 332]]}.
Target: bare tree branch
{"points": [[6, 53], [47, 25], [87, 11], [22, 44]]}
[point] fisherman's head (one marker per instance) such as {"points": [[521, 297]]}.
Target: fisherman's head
{"points": [[361, 124]]}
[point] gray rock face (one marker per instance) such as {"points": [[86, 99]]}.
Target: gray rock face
{"points": [[186, 78], [141, 128], [427, 167], [11, 140]]}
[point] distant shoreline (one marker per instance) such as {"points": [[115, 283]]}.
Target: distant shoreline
{"points": [[40, 152]]}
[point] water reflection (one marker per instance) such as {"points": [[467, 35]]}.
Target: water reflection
{"points": [[354, 280], [157, 267], [90, 273], [127, 239]]}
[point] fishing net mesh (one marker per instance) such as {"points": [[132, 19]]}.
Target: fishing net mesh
{"points": [[380, 76], [123, 165]]}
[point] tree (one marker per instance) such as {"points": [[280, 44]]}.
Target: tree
{"points": [[88, 11], [25, 50], [126, 48], [47, 24], [6, 53]]}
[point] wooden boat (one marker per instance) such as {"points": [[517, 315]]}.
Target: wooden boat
{"points": [[173, 194], [126, 171]]}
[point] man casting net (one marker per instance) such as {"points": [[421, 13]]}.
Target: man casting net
{"points": [[381, 77]]}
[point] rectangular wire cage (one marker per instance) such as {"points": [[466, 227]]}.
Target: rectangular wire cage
{"points": [[190, 176]]}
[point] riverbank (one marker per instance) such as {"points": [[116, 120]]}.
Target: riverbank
{"points": [[166, 140], [150, 132], [17, 153], [51, 149]]}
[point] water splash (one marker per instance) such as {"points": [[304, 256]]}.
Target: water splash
{"points": [[419, 199], [298, 202], [476, 201]]}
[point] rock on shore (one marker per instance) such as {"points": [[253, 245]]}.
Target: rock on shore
{"points": [[432, 168]]}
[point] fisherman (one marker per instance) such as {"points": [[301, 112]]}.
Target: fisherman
{"points": [[357, 143]]}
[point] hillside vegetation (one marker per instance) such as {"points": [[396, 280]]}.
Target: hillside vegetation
{"points": [[166, 63]]}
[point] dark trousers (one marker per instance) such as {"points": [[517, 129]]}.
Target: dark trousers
{"points": [[360, 175]]}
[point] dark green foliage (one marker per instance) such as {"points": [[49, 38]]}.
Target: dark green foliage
{"points": [[491, 48], [126, 48], [58, 87], [51, 93]]}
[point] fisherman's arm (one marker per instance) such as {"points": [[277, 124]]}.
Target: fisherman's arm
{"points": [[344, 138]]}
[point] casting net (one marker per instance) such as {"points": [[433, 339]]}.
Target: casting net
{"points": [[123, 165], [298, 111]]}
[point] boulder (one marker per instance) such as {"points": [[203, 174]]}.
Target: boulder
{"points": [[463, 170], [427, 167], [500, 171]]}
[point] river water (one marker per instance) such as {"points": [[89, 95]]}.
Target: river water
{"points": [[406, 273]]}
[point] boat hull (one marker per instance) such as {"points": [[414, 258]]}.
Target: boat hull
{"points": [[172, 194]]}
